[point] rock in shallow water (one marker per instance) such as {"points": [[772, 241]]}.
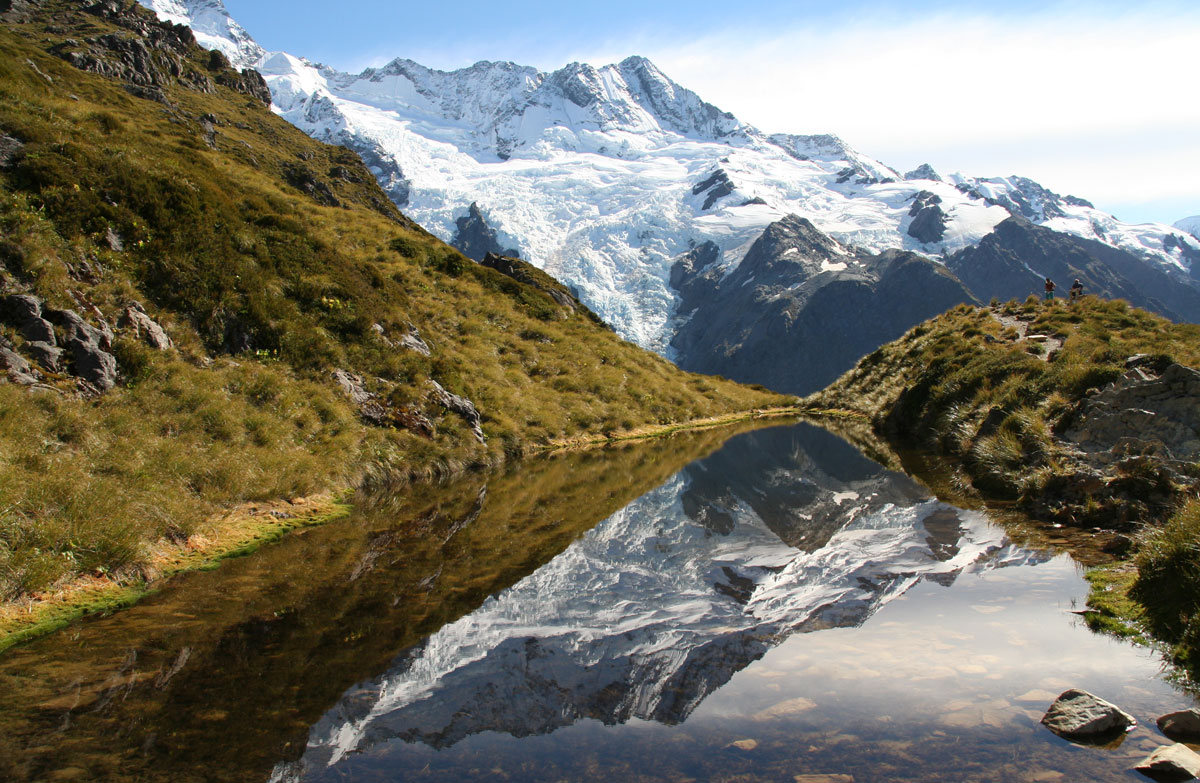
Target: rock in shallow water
{"points": [[1078, 715], [1183, 725], [1171, 762]]}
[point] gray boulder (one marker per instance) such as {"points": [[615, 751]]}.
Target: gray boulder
{"points": [[16, 368], [1183, 725], [1171, 762], [89, 346], [96, 366], [47, 355], [144, 326], [413, 342], [1078, 715], [25, 313]]}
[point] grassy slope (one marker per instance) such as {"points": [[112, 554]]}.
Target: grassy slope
{"points": [[962, 385], [229, 256]]}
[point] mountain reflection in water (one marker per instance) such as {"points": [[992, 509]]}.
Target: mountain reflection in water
{"points": [[782, 531]]}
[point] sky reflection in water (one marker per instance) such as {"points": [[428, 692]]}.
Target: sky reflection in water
{"points": [[780, 608], [675, 640]]}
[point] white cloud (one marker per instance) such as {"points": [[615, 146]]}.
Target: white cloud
{"points": [[1101, 107]]}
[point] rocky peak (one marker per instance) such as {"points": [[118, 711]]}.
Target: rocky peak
{"points": [[788, 246], [924, 171], [476, 239], [928, 218]]}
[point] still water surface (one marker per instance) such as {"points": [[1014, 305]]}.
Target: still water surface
{"points": [[774, 608]]}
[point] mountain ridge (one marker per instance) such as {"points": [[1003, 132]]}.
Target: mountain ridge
{"points": [[588, 173]]}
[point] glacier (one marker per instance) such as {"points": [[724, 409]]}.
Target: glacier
{"points": [[604, 176]]}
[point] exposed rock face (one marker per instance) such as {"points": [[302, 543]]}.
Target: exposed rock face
{"points": [[412, 341], [370, 406], [89, 345], [924, 171], [1013, 261], [25, 312], [1143, 412], [248, 80], [144, 326], [1078, 715], [718, 185], [801, 309], [928, 219], [476, 239], [460, 405], [1171, 762], [15, 367], [89, 348], [10, 150], [47, 355], [1183, 725], [693, 274], [151, 54]]}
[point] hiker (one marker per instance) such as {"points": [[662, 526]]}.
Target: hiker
{"points": [[1049, 290], [1076, 290]]}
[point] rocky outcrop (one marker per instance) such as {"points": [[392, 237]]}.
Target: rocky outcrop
{"points": [[15, 368], [144, 327], [409, 341], [924, 171], [150, 55], [370, 405], [306, 181], [248, 80], [1143, 413], [928, 219], [1078, 715], [694, 275], [1171, 762], [718, 186], [475, 239], [460, 405], [10, 150], [89, 346]]}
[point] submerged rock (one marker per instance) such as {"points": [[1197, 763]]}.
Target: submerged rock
{"points": [[1078, 715], [1171, 762]]}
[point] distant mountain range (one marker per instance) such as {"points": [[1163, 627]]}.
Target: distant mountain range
{"points": [[649, 202]]}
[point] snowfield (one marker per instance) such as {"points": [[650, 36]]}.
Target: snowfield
{"points": [[604, 176]]}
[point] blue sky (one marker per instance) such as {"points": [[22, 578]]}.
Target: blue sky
{"points": [[1095, 99]]}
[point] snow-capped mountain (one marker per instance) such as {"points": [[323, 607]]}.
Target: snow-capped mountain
{"points": [[1190, 225], [606, 176], [213, 27], [663, 602]]}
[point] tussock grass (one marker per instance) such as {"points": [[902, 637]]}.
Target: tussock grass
{"points": [[265, 288], [962, 384], [1167, 586]]}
